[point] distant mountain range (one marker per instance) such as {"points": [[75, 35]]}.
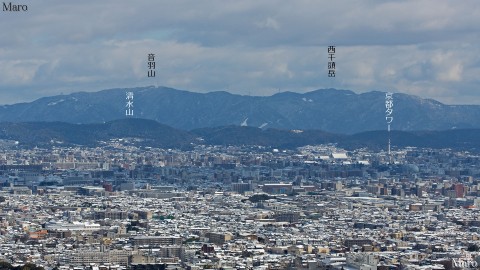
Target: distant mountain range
{"points": [[336, 111], [144, 132]]}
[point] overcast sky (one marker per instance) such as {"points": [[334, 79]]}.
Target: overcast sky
{"points": [[429, 48]]}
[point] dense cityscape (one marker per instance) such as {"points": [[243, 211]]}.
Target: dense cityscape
{"points": [[123, 206], [251, 135]]}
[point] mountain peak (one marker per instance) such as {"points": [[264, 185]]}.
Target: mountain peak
{"points": [[339, 111]]}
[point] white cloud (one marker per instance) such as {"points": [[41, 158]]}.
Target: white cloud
{"points": [[454, 73], [18, 72], [422, 47]]}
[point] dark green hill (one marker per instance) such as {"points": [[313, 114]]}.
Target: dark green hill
{"points": [[331, 110], [236, 135], [151, 133], [147, 132]]}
